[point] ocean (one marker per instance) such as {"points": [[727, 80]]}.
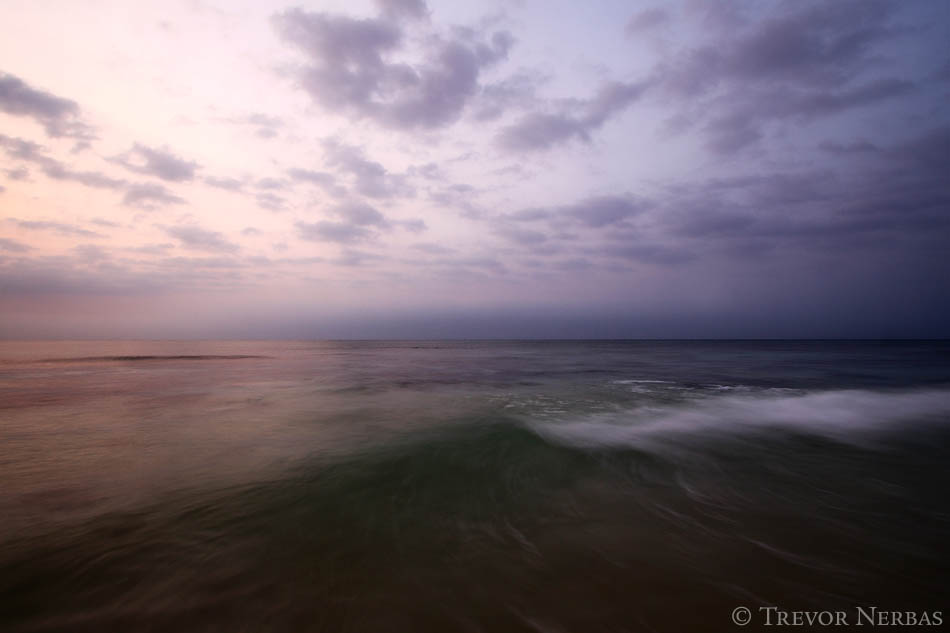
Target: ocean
{"points": [[470, 485]]}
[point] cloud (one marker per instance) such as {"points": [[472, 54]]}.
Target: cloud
{"points": [[58, 171], [352, 71], [370, 178], [541, 131], [149, 195], [228, 184], [798, 63], [646, 20], [517, 90], [197, 238], [650, 253], [20, 173], [354, 257], [59, 117], [817, 43], [28, 151], [270, 201], [593, 212], [55, 227], [160, 163], [22, 149], [325, 231], [897, 198], [13, 246], [78, 276], [145, 195], [398, 9], [360, 214], [357, 222], [459, 196], [322, 179], [602, 211], [518, 235], [265, 126], [270, 183], [861, 146], [91, 253], [413, 226]]}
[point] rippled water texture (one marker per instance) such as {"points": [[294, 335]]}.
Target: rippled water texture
{"points": [[484, 486]]}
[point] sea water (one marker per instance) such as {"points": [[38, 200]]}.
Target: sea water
{"points": [[469, 486]]}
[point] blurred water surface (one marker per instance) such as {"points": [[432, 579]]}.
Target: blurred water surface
{"points": [[469, 486]]}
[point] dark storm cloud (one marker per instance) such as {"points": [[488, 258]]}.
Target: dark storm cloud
{"points": [[160, 163], [197, 238], [541, 131], [802, 62], [54, 227], [149, 196], [58, 116], [352, 70], [370, 178]]}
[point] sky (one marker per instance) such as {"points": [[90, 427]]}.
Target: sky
{"points": [[490, 169]]}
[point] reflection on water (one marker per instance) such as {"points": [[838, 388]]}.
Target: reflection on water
{"points": [[493, 486]]}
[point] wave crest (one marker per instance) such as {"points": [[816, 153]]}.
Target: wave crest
{"points": [[838, 415]]}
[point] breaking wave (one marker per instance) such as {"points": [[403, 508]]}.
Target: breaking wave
{"points": [[839, 415]]}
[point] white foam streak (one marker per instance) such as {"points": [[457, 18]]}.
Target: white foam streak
{"points": [[838, 414]]}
